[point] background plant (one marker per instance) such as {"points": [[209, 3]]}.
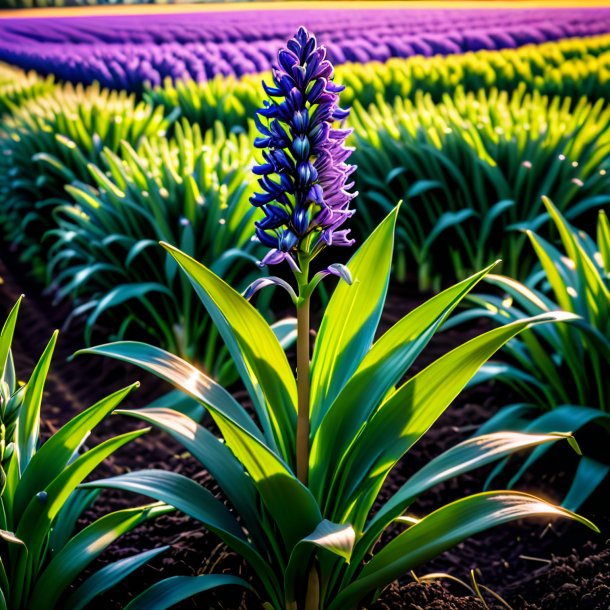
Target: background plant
{"points": [[285, 529], [560, 372], [472, 169], [570, 68], [48, 143], [16, 87], [127, 51], [303, 476], [191, 191], [40, 553]]}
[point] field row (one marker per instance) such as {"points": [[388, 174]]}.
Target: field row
{"points": [[114, 176], [124, 53]]}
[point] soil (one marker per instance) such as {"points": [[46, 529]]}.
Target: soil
{"points": [[530, 565]]}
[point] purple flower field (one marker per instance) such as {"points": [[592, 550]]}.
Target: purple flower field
{"points": [[124, 52]]}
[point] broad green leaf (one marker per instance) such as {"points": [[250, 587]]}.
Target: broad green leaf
{"points": [[83, 548], [55, 454], [214, 455], [108, 577], [182, 493], [36, 520], [464, 457], [275, 482], [407, 414], [28, 422], [173, 590], [257, 353], [179, 373], [380, 370], [65, 522], [351, 317], [335, 538], [441, 530], [196, 502]]}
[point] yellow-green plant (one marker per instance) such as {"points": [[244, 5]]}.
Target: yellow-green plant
{"points": [[41, 553], [573, 67], [472, 170], [49, 142], [193, 192], [561, 373], [17, 86]]}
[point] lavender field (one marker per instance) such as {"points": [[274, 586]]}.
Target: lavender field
{"points": [[333, 291], [124, 52]]}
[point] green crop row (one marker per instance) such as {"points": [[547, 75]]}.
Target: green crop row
{"points": [[570, 68], [472, 170]]}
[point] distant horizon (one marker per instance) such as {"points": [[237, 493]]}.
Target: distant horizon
{"points": [[181, 6]]}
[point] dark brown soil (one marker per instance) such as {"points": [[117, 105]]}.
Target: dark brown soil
{"points": [[531, 565]]}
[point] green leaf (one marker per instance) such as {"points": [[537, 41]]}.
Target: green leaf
{"points": [[257, 353], [441, 530], [380, 370], [179, 373], [214, 455], [65, 522], [408, 413], [589, 475], [603, 241], [119, 295], [464, 457], [55, 454], [336, 538], [351, 317], [28, 422], [173, 590], [276, 484], [36, 520], [564, 418], [83, 548], [196, 502], [106, 578], [6, 337]]}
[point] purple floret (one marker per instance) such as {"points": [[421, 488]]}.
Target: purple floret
{"points": [[305, 193]]}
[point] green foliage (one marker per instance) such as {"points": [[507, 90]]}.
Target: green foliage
{"points": [[193, 192], [16, 87], [314, 542], [48, 143], [472, 170], [563, 370], [40, 555], [568, 68]]}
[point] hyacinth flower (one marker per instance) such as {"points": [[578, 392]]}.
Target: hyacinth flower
{"points": [[302, 478], [305, 188]]}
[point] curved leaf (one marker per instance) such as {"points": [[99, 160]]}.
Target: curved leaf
{"points": [[441, 530], [108, 577], [256, 352], [173, 590], [83, 548], [351, 318], [179, 373]]}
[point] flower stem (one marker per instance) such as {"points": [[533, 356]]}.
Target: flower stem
{"points": [[303, 328]]}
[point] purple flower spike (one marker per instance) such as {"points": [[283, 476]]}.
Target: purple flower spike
{"points": [[304, 178]]}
